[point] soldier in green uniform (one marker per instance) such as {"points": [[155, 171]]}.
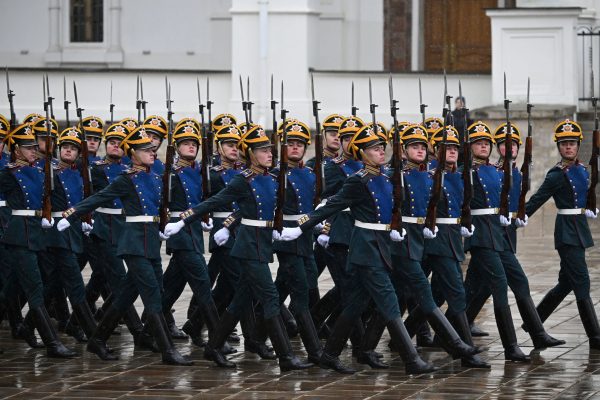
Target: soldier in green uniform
{"points": [[139, 245], [21, 184], [254, 192], [567, 183]]}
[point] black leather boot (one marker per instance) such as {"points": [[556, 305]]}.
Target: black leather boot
{"points": [[73, 329], [97, 342], [142, 338], [449, 339], [288, 319], [313, 297], [335, 344], [174, 331], [549, 303], [587, 313], [194, 330], [84, 317], [424, 337], [54, 347], [309, 336], [476, 330], [253, 343], [540, 338], [159, 328], [218, 332], [506, 328], [371, 337], [282, 346], [473, 309], [325, 307], [461, 324], [23, 328], [413, 363]]}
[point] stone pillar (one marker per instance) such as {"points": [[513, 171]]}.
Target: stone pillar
{"points": [[53, 54], [539, 43], [114, 53], [291, 50]]}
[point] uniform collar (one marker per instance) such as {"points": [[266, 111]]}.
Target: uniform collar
{"points": [[329, 153], [568, 163], [64, 165], [500, 163], [480, 161], [111, 160], [295, 164], [373, 170], [227, 164], [140, 168], [258, 170], [450, 167], [185, 163], [22, 163], [413, 165]]}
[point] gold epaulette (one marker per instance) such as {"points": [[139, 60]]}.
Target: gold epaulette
{"points": [[362, 173], [101, 162], [247, 173], [338, 160], [217, 168]]}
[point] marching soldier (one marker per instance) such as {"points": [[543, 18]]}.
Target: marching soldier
{"points": [[567, 184], [93, 128], [217, 123], [368, 194], [432, 125], [21, 184], [156, 128], [254, 192], [139, 245], [516, 278]]}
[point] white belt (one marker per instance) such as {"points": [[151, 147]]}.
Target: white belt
{"points": [[413, 220], [2, 203], [27, 213], [259, 223], [372, 226], [113, 211], [447, 221], [175, 214], [484, 211], [221, 214], [142, 218], [571, 211], [290, 217], [56, 214]]}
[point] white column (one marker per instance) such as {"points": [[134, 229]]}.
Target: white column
{"points": [[539, 43], [290, 50], [53, 54], [114, 54]]}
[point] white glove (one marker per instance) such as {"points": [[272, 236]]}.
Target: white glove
{"points": [[591, 214], [396, 236], [289, 234], [321, 204], [207, 227], [428, 234], [323, 240], [504, 221], [47, 224], [464, 232], [63, 224], [87, 228], [221, 236], [163, 237], [276, 235], [173, 227], [319, 227], [521, 222]]}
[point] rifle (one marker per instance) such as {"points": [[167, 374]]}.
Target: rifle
{"points": [[590, 203], [248, 98], [50, 98], [67, 102], [283, 169], [210, 134], [507, 166], [353, 109], [13, 116], [138, 102], [274, 134], [112, 106], [438, 175], [397, 175], [48, 169], [467, 173], [244, 105], [142, 96], [318, 169], [528, 158], [164, 214], [85, 165], [206, 149]]}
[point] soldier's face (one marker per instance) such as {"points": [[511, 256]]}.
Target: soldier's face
{"points": [[568, 149], [515, 149], [229, 151], [93, 143], [481, 149], [295, 150], [376, 154], [188, 149], [113, 150], [345, 142], [26, 153], [451, 154], [156, 141], [69, 153], [41, 141], [144, 157], [416, 152], [332, 140], [264, 157]]}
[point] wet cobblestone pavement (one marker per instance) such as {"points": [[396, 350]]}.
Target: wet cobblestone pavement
{"points": [[571, 371]]}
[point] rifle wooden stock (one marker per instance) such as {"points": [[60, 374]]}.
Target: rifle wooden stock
{"points": [[397, 182], [281, 187], [205, 166], [436, 190], [526, 179], [465, 214], [318, 167], [166, 185], [48, 176], [506, 180], [85, 173], [591, 195]]}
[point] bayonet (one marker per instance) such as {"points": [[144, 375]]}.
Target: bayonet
{"points": [[112, 106], [244, 105], [67, 102], [138, 102], [250, 103], [353, 109], [372, 107], [422, 106], [318, 168], [144, 102], [49, 98]]}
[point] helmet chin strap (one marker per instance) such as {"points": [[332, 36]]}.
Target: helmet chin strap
{"points": [[366, 159]]}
